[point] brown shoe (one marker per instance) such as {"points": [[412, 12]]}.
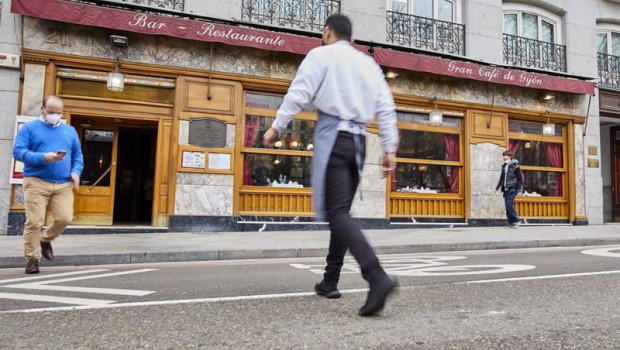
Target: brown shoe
{"points": [[47, 251], [32, 266]]}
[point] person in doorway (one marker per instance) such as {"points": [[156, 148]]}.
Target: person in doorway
{"points": [[348, 89], [510, 183], [53, 163]]}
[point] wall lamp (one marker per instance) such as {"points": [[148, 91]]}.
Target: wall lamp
{"points": [[548, 129], [435, 117], [119, 40], [546, 96], [116, 79]]}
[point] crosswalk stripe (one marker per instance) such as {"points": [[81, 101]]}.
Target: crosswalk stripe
{"points": [[55, 299], [40, 277]]}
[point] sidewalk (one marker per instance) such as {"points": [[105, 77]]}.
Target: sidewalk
{"points": [[167, 247]]}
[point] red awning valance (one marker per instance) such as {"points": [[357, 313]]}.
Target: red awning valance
{"points": [[98, 16]]}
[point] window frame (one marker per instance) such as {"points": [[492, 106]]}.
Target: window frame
{"points": [[539, 19], [439, 129], [609, 33], [456, 9], [562, 140], [268, 113]]}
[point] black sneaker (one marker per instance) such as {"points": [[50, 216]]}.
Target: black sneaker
{"points": [[329, 292]]}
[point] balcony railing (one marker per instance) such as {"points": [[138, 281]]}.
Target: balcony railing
{"points": [[298, 14], [425, 33], [175, 5], [609, 71], [524, 52]]}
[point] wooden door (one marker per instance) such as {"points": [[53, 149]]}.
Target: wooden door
{"points": [[94, 201], [615, 172]]}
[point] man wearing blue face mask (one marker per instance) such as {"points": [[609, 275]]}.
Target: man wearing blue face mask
{"points": [[53, 163]]}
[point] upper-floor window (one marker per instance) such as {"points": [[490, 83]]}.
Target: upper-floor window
{"points": [[443, 10], [608, 42], [426, 24], [532, 38], [529, 25], [608, 49]]}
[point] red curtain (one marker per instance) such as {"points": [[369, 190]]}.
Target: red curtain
{"points": [[554, 154], [452, 147], [251, 130], [513, 146], [393, 185]]}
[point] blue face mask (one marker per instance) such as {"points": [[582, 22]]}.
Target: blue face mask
{"points": [[52, 118]]}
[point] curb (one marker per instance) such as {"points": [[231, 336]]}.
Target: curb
{"points": [[156, 257]]}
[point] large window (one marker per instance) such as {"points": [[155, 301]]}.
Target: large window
{"points": [[608, 42], [428, 24], [287, 164], [429, 157], [542, 158], [443, 10], [532, 40], [608, 49]]}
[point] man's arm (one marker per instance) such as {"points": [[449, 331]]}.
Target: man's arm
{"points": [[385, 110], [21, 149]]}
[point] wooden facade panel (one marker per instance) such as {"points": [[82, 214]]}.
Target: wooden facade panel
{"points": [[93, 205], [269, 203], [488, 127], [427, 207], [196, 91], [542, 210]]}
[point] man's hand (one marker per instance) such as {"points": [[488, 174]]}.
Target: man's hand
{"points": [[389, 164], [270, 137], [51, 157], [76, 180]]}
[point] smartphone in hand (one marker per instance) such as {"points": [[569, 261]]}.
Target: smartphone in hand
{"points": [[61, 153]]}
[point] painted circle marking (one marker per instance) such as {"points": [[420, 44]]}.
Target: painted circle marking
{"points": [[606, 252]]}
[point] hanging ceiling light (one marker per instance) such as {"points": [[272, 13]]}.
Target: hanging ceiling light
{"points": [[435, 117], [548, 129], [116, 79]]}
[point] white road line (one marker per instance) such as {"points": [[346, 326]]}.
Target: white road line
{"points": [[38, 286], [542, 277], [179, 302], [96, 276], [44, 285], [39, 277], [55, 299]]}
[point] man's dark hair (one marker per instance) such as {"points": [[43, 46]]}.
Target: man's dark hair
{"points": [[341, 25]]}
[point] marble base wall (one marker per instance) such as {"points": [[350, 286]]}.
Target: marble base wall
{"points": [[486, 160], [204, 194]]}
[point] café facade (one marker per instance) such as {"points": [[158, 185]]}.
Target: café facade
{"points": [[177, 143]]}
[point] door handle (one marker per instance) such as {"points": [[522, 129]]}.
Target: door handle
{"points": [[102, 176]]}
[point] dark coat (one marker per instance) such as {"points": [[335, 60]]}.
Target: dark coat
{"points": [[514, 176]]}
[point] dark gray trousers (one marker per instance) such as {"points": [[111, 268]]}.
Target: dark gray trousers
{"points": [[341, 182]]}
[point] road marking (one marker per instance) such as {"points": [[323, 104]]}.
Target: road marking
{"points": [[43, 285], [178, 302], [419, 266], [54, 299], [606, 252], [542, 277], [264, 296], [39, 277]]}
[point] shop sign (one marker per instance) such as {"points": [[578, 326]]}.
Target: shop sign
{"points": [[99, 16], [468, 70]]}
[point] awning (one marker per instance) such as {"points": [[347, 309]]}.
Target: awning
{"points": [[468, 70], [112, 18]]}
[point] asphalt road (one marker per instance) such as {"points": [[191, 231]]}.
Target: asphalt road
{"points": [[547, 298]]}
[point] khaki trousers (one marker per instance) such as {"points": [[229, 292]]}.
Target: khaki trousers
{"points": [[38, 194]]}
